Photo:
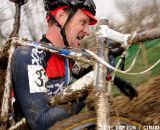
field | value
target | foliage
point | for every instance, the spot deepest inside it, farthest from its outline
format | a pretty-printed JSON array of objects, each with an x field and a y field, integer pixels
[{"x": 152, "y": 49}]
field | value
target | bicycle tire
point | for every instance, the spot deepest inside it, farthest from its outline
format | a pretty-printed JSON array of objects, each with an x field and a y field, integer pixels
[{"x": 85, "y": 120}]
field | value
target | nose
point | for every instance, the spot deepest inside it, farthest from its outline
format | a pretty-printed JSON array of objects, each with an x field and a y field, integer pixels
[{"x": 87, "y": 30}]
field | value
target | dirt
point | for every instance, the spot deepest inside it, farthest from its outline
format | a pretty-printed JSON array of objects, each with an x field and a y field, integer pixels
[
  {"x": 145, "y": 109},
  {"x": 3, "y": 65}
]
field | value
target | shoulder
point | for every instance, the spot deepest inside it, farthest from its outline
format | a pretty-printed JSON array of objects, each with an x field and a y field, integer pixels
[
  {"x": 31, "y": 55},
  {"x": 22, "y": 50}
]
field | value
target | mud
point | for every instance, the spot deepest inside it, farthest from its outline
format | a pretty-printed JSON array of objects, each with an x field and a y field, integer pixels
[
  {"x": 145, "y": 109},
  {"x": 3, "y": 66}
]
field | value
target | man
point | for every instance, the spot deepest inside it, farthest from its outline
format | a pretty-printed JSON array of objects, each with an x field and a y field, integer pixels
[{"x": 39, "y": 75}]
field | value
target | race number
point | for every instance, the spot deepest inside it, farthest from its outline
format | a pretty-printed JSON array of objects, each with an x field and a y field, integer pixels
[{"x": 37, "y": 78}]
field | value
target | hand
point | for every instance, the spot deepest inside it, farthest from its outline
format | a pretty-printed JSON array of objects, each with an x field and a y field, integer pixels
[{"x": 125, "y": 87}]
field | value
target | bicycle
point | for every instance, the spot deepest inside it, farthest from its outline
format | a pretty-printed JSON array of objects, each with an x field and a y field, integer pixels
[
  {"x": 87, "y": 120},
  {"x": 85, "y": 85}
]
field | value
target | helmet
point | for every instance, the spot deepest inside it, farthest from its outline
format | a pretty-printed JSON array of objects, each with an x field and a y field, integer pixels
[{"x": 87, "y": 6}]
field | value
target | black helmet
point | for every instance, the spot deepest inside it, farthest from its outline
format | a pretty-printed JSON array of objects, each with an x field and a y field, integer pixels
[{"x": 87, "y": 6}]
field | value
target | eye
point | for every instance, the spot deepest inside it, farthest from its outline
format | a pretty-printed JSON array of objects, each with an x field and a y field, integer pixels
[{"x": 84, "y": 22}]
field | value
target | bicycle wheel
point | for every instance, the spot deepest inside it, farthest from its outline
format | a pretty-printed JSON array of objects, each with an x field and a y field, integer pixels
[{"x": 87, "y": 121}]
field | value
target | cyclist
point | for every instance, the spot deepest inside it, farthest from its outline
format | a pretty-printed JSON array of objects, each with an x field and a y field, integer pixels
[{"x": 39, "y": 75}]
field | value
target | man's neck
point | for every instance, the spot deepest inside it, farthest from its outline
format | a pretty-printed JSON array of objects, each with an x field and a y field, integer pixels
[{"x": 54, "y": 36}]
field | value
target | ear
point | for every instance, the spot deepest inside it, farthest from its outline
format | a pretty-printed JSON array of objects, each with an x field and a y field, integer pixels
[{"x": 61, "y": 16}]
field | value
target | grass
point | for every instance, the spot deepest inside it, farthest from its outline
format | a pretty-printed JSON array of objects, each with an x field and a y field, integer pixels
[{"x": 144, "y": 60}]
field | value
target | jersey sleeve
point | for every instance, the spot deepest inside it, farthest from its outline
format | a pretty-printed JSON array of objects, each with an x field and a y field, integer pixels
[{"x": 29, "y": 80}]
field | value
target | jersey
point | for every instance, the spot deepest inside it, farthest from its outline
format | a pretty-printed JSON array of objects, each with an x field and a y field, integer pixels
[{"x": 36, "y": 76}]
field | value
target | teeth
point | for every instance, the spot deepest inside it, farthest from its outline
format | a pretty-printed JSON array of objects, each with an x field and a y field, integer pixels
[{"x": 79, "y": 37}]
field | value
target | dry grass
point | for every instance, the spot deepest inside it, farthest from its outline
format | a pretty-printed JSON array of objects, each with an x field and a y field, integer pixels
[{"x": 146, "y": 108}]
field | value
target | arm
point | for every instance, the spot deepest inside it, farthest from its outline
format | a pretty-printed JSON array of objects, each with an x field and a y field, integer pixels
[{"x": 34, "y": 103}]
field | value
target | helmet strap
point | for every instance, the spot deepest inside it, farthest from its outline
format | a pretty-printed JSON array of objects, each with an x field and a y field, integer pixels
[
  {"x": 62, "y": 30},
  {"x": 72, "y": 12},
  {"x": 63, "y": 33}
]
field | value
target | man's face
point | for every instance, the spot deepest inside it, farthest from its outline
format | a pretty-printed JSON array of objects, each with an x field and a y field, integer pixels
[{"x": 77, "y": 28}]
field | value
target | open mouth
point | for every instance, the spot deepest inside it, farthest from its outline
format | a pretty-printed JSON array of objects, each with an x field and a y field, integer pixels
[
  {"x": 79, "y": 37},
  {"x": 77, "y": 42}
]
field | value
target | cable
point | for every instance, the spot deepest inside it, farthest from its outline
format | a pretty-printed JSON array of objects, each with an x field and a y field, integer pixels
[
  {"x": 102, "y": 61},
  {"x": 134, "y": 60}
]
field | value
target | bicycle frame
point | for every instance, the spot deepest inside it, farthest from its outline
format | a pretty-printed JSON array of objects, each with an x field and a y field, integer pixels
[
  {"x": 87, "y": 82},
  {"x": 102, "y": 103}
]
